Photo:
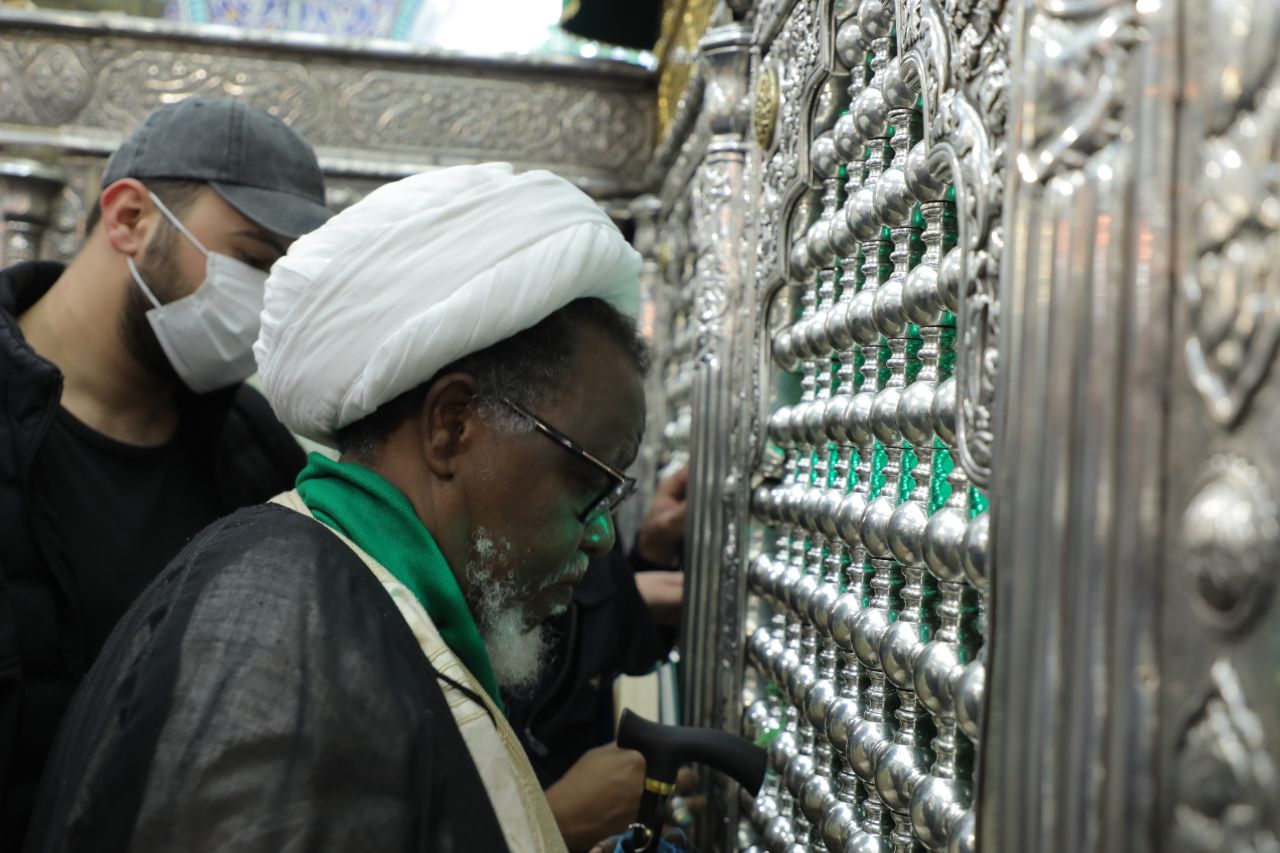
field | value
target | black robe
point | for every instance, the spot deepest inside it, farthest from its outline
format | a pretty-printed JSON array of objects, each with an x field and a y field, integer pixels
[{"x": 264, "y": 694}]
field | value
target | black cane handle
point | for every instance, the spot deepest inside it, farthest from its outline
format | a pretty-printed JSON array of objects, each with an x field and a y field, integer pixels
[{"x": 665, "y": 748}]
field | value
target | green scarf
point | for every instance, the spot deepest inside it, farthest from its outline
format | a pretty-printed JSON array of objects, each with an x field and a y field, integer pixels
[{"x": 377, "y": 516}]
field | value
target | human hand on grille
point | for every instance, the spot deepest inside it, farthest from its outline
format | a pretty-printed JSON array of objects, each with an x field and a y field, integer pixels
[
  {"x": 598, "y": 796},
  {"x": 661, "y": 536}
]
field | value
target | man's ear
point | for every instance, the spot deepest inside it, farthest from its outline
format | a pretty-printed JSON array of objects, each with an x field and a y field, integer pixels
[
  {"x": 128, "y": 215},
  {"x": 448, "y": 421}
]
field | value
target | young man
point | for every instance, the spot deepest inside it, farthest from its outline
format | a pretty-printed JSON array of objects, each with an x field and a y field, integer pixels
[
  {"x": 324, "y": 672},
  {"x": 124, "y": 426}
]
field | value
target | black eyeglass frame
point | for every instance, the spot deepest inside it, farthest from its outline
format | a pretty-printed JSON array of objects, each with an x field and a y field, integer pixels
[{"x": 623, "y": 486}]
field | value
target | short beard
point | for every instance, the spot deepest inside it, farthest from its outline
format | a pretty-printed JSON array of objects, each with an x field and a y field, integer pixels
[
  {"x": 517, "y": 653},
  {"x": 158, "y": 270}
]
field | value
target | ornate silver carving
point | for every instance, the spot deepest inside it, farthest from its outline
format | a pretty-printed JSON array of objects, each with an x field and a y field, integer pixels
[
  {"x": 380, "y": 113},
  {"x": 1231, "y": 543},
  {"x": 1227, "y": 789}
]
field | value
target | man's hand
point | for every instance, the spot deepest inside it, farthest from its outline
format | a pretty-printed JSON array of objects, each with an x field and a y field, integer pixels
[
  {"x": 599, "y": 796},
  {"x": 662, "y": 592},
  {"x": 661, "y": 535}
]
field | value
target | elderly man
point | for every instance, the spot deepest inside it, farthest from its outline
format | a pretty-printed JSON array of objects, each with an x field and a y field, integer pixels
[{"x": 324, "y": 672}]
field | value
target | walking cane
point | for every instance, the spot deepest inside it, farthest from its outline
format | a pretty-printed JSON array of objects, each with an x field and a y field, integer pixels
[{"x": 665, "y": 748}]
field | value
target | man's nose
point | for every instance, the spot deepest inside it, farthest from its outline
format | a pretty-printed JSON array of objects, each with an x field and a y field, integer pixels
[{"x": 598, "y": 534}]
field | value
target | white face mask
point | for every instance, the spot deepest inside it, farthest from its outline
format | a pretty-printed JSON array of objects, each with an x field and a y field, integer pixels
[{"x": 208, "y": 336}]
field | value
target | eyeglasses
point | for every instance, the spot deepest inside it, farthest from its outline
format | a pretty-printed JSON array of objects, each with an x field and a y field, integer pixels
[{"x": 622, "y": 485}]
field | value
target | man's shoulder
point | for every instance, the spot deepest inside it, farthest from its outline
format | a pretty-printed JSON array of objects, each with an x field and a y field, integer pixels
[{"x": 267, "y": 533}]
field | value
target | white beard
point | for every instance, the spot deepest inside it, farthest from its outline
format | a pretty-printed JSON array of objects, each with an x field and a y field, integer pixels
[{"x": 500, "y": 607}]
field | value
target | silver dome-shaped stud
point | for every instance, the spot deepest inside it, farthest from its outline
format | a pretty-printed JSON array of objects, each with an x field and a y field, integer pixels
[
  {"x": 784, "y": 351},
  {"x": 921, "y": 181},
  {"x": 889, "y": 313},
  {"x": 943, "y": 543},
  {"x": 858, "y": 417},
  {"x": 764, "y": 810},
  {"x": 843, "y": 614},
  {"x": 758, "y": 646},
  {"x": 833, "y": 419},
  {"x": 884, "y": 415},
  {"x": 943, "y": 411},
  {"x": 793, "y": 503},
  {"x": 866, "y": 842},
  {"x": 950, "y": 287},
  {"x": 779, "y": 833},
  {"x": 800, "y": 594},
  {"x": 898, "y": 770},
  {"x": 860, "y": 214},
  {"x": 780, "y": 751},
  {"x": 823, "y": 601},
  {"x": 867, "y": 740},
  {"x": 801, "y": 263},
  {"x": 898, "y": 83},
  {"x": 964, "y": 835},
  {"x": 762, "y": 503},
  {"x": 898, "y": 649},
  {"x": 851, "y": 50},
  {"x": 875, "y": 19},
  {"x": 936, "y": 805},
  {"x": 824, "y": 157},
  {"x": 969, "y": 691},
  {"x": 906, "y": 532},
  {"x": 815, "y": 795},
  {"x": 977, "y": 544},
  {"x": 875, "y": 526},
  {"x": 920, "y": 298},
  {"x": 838, "y": 823},
  {"x": 756, "y": 719},
  {"x": 809, "y": 509},
  {"x": 779, "y": 426},
  {"x": 820, "y": 248},
  {"x": 843, "y": 241},
  {"x": 893, "y": 202},
  {"x": 815, "y": 433},
  {"x": 799, "y": 768},
  {"x": 758, "y": 575},
  {"x": 870, "y": 113},
  {"x": 862, "y": 321},
  {"x": 869, "y": 627},
  {"x": 817, "y": 702},
  {"x": 915, "y": 413},
  {"x": 842, "y": 715},
  {"x": 828, "y": 508},
  {"x": 836, "y": 326},
  {"x": 934, "y": 673},
  {"x": 845, "y": 136},
  {"x": 849, "y": 517}
]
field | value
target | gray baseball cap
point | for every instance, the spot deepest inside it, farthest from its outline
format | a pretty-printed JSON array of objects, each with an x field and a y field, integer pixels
[{"x": 253, "y": 160}]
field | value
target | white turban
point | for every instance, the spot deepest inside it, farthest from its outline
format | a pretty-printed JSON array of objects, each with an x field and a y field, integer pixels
[{"x": 420, "y": 273}]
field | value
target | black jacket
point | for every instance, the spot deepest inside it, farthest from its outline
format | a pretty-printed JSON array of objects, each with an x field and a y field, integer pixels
[
  {"x": 42, "y": 657},
  {"x": 264, "y": 694},
  {"x": 607, "y": 631}
]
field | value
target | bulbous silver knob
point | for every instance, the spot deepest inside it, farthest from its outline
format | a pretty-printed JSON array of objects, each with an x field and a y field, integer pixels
[
  {"x": 780, "y": 751},
  {"x": 977, "y": 544},
  {"x": 799, "y": 768},
  {"x": 884, "y": 415},
  {"x": 846, "y": 610},
  {"x": 867, "y": 740},
  {"x": 862, "y": 321},
  {"x": 762, "y": 501},
  {"x": 828, "y": 508},
  {"x": 820, "y": 248},
  {"x": 943, "y": 543},
  {"x": 815, "y": 433},
  {"x": 842, "y": 716},
  {"x": 798, "y": 680},
  {"x": 860, "y": 214},
  {"x": 875, "y": 526},
  {"x": 898, "y": 769},
  {"x": 843, "y": 240},
  {"x": 814, "y": 796},
  {"x": 838, "y": 823},
  {"x": 801, "y": 592},
  {"x": 845, "y": 135},
  {"x": 936, "y": 805},
  {"x": 964, "y": 835},
  {"x": 810, "y": 507},
  {"x": 823, "y": 601},
  {"x": 875, "y": 19},
  {"x": 837, "y": 324},
  {"x": 906, "y": 532},
  {"x": 923, "y": 183},
  {"x": 851, "y": 50},
  {"x": 858, "y": 417},
  {"x": 866, "y": 842},
  {"x": 764, "y": 810},
  {"x": 849, "y": 517},
  {"x": 899, "y": 84},
  {"x": 779, "y": 425},
  {"x": 801, "y": 263},
  {"x": 824, "y": 157},
  {"x": 868, "y": 630},
  {"x": 784, "y": 351},
  {"x": 920, "y": 298},
  {"x": 943, "y": 411},
  {"x": 833, "y": 419},
  {"x": 968, "y": 693},
  {"x": 757, "y": 717},
  {"x": 892, "y": 200},
  {"x": 817, "y": 702},
  {"x": 870, "y": 114},
  {"x": 935, "y": 672},
  {"x": 915, "y": 413},
  {"x": 888, "y": 311},
  {"x": 779, "y": 834},
  {"x": 898, "y": 649},
  {"x": 950, "y": 287},
  {"x": 758, "y": 646}
]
